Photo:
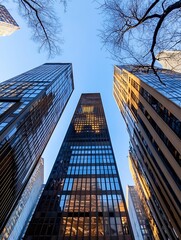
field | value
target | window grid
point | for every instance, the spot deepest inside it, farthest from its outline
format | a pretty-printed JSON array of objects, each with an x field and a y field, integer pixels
[
  {"x": 28, "y": 125},
  {"x": 84, "y": 183}
]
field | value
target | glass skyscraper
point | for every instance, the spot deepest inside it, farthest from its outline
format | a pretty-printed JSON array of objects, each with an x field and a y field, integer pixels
[
  {"x": 17, "y": 222},
  {"x": 30, "y": 107},
  {"x": 83, "y": 198},
  {"x": 152, "y": 112},
  {"x": 139, "y": 220}
]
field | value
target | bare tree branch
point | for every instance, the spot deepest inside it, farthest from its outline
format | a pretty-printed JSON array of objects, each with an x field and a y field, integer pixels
[
  {"x": 38, "y": 17},
  {"x": 169, "y": 9},
  {"x": 136, "y": 29},
  {"x": 41, "y": 18}
]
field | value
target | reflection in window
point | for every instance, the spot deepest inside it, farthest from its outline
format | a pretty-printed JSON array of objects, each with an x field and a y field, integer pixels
[
  {"x": 4, "y": 106},
  {"x": 89, "y": 202}
]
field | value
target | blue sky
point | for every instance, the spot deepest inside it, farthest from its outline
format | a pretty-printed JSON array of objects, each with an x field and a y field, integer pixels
[{"x": 92, "y": 69}]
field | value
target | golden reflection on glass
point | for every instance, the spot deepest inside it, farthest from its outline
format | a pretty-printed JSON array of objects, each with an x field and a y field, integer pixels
[
  {"x": 81, "y": 226},
  {"x": 89, "y": 119},
  {"x": 68, "y": 226},
  {"x": 87, "y": 109},
  {"x": 136, "y": 177},
  {"x": 83, "y": 203},
  {"x": 125, "y": 225},
  {"x": 93, "y": 227},
  {"x": 121, "y": 206},
  {"x": 86, "y": 226},
  {"x": 143, "y": 190}
]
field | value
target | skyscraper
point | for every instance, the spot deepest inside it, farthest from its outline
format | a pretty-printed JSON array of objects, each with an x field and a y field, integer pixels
[
  {"x": 138, "y": 218},
  {"x": 83, "y": 198},
  {"x": 143, "y": 191},
  {"x": 30, "y": 107},
  {"x": 152, "y": 114},
  {"x": 17, "y": 222},
  {"x": 7, "y": 24}
]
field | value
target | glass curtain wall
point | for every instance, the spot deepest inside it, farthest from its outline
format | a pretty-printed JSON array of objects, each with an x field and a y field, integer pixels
[
  {"x": 30, "y": 107},
  {"x": 83, "y": 198}
]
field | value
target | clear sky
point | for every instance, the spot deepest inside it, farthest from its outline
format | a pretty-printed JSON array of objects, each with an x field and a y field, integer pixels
[{"x": 92, "y": 69}]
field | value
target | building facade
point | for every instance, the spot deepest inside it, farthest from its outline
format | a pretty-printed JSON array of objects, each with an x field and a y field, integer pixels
[
  {"x": 83, "y": 198},
  {"x": 30, "y": 107},
  {"x": 152, "y": 114},
  {"x": 17, "y": 222},
  {"x": 170, "y": 60},
  {"x": 139, "y": 221},
  {"x": 7, "y": 23}
]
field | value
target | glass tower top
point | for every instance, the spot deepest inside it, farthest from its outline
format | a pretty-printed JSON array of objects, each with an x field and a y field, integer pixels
[
  {"x": 172, "y": 80},
  {"x": 83, "y": 198}
]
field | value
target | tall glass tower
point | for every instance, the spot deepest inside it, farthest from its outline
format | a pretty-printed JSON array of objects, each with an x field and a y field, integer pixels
[
  {"x": 30, "y": 107},
  {"x": 83, "y": 198},
  {"x": 152, "y": 112}
]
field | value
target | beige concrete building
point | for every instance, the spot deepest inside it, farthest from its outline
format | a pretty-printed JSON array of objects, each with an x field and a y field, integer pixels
[
  {"x": 7, "y": 24},
  {"x": 170, "y": 60},
  {"x": 152, "y": 112}
]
